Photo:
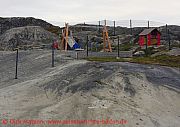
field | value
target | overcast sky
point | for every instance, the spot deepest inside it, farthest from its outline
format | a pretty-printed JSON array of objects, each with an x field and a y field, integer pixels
[{"x": 165, "y": 11}]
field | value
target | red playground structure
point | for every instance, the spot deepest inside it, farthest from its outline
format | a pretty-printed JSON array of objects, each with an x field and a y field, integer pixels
[{"x": 150, "y": 37}]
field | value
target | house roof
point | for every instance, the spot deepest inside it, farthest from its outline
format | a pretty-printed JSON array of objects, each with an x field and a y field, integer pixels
[{"x": 147, "y": 31}]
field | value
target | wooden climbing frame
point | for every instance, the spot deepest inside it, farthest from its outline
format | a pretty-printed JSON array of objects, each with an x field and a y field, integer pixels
[
  {"x": 106, "y": 40},
  {"x": 65, "y": 34}
]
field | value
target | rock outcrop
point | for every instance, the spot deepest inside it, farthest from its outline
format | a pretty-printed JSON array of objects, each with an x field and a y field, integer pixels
[
  {"x": 26, "y": 36},
  {"x": 9, "y": 23}
]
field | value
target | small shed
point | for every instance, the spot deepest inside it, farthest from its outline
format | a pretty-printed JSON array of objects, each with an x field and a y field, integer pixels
[{"x": 150, "y": 36}]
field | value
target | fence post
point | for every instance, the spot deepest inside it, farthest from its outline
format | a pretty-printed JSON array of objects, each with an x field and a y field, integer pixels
[
  {"x": 166, "y": 32},
  {"x": 87, "y": 46},
  {"x": 118, "y": 46},
  {"x": 169, "y": 39},
  {"x": 77, "y": 55},
  {"x": 148, "y": 24},
  {"x": 131, "y": 27},
  {"x": 99, "y": 27},
  {"x": 114, "y": 28},
  {"x": 17, "y": 57}
]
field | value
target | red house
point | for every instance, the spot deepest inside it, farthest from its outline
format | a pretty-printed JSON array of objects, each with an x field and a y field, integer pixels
[{"x": 150, "y": 37}]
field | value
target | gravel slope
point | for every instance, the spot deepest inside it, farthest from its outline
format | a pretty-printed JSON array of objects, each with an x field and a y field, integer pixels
[{"x": 145, "y": 96}]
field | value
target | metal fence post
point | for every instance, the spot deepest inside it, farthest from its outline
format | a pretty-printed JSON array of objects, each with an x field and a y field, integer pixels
[
  {"x": 77, "y": 57},
  {"x": 17, "y": 56},
  {"x": 169, "y": 39},
  {"x": 148, "y": 24},
  {"x": 118, "y": 46},
  {"x": 87, "y": 46},
  {"x": 114, "y": 28},
  {"x": 99, "y": 27},
  {"x": 131, "y": 26}
]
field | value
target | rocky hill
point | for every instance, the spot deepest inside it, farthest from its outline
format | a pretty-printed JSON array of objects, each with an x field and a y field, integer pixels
[
  {"x": 26, "y": 36},
  {"x": 26, "y": 31},
  {"x": 14, "y": 22}
]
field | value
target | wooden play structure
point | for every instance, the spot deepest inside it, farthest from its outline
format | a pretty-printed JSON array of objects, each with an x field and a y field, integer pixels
[
  {"x": 64, "y": 41},
  {"x": 106, "y": 41},
  {"x": 68, "y": 42}
]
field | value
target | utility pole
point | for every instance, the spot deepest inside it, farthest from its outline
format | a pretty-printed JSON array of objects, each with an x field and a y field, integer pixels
[{"x": 17, "y": 56}]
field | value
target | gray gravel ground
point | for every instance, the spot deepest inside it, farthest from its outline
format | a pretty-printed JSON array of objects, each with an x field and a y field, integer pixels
[{"x": 145, "y": 95}]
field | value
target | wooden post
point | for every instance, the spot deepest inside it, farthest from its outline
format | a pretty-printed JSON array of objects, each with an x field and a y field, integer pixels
[{"x": 67, "y": 32}]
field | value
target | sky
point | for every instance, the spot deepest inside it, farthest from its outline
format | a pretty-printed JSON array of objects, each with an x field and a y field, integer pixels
[{"x": 79, "y": 11}]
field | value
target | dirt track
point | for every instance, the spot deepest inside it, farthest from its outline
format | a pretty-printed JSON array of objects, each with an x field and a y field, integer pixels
[{"x": 145, "y": 96}]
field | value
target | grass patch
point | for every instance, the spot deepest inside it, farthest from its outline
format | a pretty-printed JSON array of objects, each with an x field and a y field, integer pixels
[
  {"x": 105, "y": 59},
  {"x": 164, "y": 60}
]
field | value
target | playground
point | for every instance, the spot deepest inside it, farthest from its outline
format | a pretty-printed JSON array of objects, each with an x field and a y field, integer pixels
[
  {"x": 74, "y": 80},
  {"x": 72, "y": 46}
]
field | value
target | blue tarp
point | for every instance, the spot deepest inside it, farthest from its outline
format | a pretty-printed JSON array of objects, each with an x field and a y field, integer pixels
[{"x": 76, "y": 45}]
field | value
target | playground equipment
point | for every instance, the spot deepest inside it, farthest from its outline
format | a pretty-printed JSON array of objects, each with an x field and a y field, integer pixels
[
  {"x": 68, "y": 41},
  {"x": 149, "y": 37},
  {"x": 106, "y": 40}
]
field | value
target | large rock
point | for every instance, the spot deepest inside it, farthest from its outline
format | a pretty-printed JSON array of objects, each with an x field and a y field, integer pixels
[
  {"x": 139, "y": 53},
  {"x": 29, "y": 35},
  {"x": 174, "y": 52}
]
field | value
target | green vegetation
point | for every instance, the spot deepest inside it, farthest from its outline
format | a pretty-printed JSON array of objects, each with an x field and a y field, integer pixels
[
  {"x": 165, "y": 60},
  {"x": 171, "y": 61},
  {"x": 106, "y": 59}
]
